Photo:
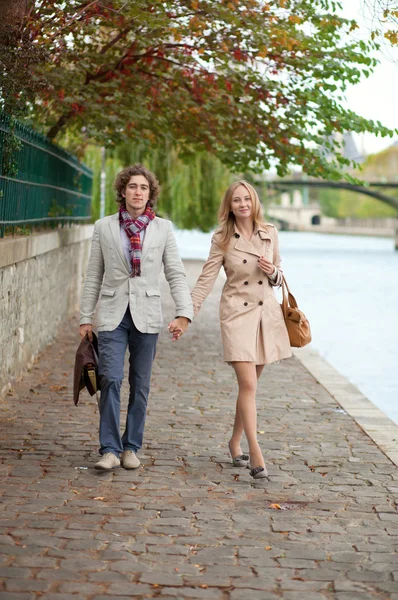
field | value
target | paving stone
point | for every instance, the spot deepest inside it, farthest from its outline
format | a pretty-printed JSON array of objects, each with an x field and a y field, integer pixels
[
  {"x": 83, "y": 563},
  {"x": 83, "y": 588},
  {"x": 109, "y": 576},
  {"x": 129, "y": 589},
  {"x": 112, "y": 596},
  {"x": 21, "y": 585},
  {"x": 16, "y": 596},
  {"x": 15, "y": 573},
  {"x": 187, "y": 592},
  {"x": 54, "y": 596},
  {"x": 367, "y": 576},
  {"x": 354, "y": 596},
  {"x": 308, "y": 596},
  {"x": 58, "y": 575}
]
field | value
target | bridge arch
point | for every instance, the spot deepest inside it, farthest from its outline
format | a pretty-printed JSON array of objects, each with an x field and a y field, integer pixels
[{"x": 281, "y": 183}]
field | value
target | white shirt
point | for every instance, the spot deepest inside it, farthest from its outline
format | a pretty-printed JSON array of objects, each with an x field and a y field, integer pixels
[{"x": 126, "y": 243}]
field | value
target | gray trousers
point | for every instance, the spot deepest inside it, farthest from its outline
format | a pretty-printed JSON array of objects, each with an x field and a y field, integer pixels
[{"x": 112, "y": 346}]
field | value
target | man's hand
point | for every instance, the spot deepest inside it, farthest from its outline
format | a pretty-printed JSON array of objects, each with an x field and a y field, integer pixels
[
  {"x": 86, "y": 329},
  {"x": 178, "y": 327},
  {"x": 266, "y": 266}
]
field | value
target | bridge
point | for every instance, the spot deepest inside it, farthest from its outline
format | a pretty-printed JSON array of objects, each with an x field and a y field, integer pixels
[
  {"x": 281, "y": 184},
  {"x": 298, "y": 211}
]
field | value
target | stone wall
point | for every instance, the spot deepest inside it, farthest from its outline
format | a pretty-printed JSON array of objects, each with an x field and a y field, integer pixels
[{"x": 41, "y": 279}]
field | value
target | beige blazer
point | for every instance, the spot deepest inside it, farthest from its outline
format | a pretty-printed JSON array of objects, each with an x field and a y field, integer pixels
[
  {"x": 108, "y": 278},
  {"x": 252, "y": 324}
]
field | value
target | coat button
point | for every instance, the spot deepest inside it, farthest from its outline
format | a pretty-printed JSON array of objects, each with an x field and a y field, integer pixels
[
  {"x": 261, "y": 303},
  {"x": 244, "y": 261},
  {"x": 246, "y": 283},
  {"x": 237, "y": 235},
  {"x": 245, "y": 304},
  {"x": 260, "y": 282}
]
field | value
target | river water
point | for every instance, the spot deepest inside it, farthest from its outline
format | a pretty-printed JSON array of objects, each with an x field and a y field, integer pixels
[{"x": 348, "y": 288}]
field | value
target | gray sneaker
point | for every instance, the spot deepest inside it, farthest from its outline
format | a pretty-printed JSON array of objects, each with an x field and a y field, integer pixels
[
  {"x": 108, "y": 462},
  {"x": 130, "y": 460}
]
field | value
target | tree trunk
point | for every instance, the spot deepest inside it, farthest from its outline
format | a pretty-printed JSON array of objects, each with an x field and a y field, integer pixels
[{"x": 55, "y": 129}]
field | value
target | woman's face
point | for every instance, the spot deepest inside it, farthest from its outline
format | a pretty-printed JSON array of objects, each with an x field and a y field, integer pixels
[{"x": 241, "y": 203}]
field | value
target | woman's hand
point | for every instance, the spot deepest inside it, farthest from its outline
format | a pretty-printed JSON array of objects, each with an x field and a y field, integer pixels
[
  {"x": 266, "y": 266},
  {"x": 178, "y": 327}
]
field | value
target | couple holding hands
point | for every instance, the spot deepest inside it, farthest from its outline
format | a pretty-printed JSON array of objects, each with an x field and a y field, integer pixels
[{"x": 128, "y": 251}]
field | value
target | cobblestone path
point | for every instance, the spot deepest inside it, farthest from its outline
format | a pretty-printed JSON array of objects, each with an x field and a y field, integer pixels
[{"x": 187, "y": 525}]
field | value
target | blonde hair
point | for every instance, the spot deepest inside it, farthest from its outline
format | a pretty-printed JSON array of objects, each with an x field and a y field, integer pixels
[{"x": 226, "y": 218}]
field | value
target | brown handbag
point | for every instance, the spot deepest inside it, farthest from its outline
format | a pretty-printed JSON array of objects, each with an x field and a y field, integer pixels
[{"x": 297, "y": 325}]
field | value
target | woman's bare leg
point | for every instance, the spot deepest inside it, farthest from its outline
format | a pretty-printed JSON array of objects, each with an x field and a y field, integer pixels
[
  {"x": 237, "y": 431},
  {"x": 246, "y": 374},
  {"x": 259, "y": 370}
]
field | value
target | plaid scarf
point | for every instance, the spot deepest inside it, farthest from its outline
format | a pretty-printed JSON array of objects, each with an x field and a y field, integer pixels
[{"x": 133, "y": 227}]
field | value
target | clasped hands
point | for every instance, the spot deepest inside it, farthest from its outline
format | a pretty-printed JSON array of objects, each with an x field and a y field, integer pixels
[{"x": 178, "y": 327}]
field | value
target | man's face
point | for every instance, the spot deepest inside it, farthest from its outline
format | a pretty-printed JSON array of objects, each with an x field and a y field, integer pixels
[{"x": 137, "y": 193}]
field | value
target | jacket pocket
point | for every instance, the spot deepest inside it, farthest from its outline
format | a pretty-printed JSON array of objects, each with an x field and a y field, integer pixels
[
  {"x": 154, "y": 308},
  {"x": 107, "y": 292}
]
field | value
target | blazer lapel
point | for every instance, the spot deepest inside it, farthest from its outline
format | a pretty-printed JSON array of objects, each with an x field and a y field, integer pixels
[{"x": 115, "y": 230}]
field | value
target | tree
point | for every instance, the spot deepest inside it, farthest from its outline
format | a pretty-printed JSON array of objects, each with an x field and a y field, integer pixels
[
  {"x": 18, "y": 56},
  {"x": 256, "y": 83},
  {"x": 383, "y": 16},
  {"x": 191, "y": 189}
]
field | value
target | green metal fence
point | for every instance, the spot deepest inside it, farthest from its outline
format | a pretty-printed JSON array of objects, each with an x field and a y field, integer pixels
[{"x": 40, "y": 183}]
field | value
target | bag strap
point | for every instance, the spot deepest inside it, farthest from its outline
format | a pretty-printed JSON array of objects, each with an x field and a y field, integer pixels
[{"x": 287, "y": 297}]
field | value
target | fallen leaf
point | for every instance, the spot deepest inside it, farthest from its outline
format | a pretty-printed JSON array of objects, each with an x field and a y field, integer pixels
[
  {"x": 275, "y": 506},
  {"x": 76, "y": 492},
  {"x": 176, "y": 569},
  {"x": 58, "y": 388},
  {"x": 268, "y": 547},
  {"x": 100, "y": 498},
  {"x": 204, "y": 586}
]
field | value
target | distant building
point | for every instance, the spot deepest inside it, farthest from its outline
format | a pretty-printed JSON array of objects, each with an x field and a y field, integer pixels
[{"x": 349, "y": 150}]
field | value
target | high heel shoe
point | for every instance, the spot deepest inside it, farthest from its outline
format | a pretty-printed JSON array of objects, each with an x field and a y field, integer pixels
[
  {"x": 239, "y": 461},
  {"x": 259, "y": 473}
]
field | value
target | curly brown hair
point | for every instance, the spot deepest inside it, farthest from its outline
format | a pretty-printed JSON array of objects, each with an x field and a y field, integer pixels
[{"x": 124, "y": 176}]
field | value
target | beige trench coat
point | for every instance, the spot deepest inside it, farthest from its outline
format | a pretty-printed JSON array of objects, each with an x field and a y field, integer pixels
[{"x": 252, "y": 324}]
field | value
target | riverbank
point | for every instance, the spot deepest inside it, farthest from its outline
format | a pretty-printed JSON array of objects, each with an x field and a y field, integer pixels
[
  {"x": 357, "y": 231},
  {"x": 187, "y": 525}
]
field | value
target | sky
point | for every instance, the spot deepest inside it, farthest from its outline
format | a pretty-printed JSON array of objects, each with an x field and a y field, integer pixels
[{"x": 376, "y": 97}]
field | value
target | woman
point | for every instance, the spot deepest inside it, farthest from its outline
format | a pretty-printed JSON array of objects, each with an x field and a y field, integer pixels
[{"x": 252, "y": 326}]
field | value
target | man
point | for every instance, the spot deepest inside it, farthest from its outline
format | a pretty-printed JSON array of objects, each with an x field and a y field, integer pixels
[{"x": 128, "y": 251}]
